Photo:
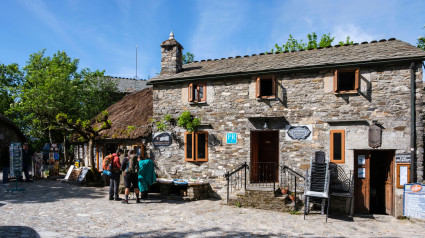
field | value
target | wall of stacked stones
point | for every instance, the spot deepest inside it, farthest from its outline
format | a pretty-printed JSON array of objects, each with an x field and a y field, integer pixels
[
  {"x": 303, "y": 99},
  {"x": 8, "y": 134}
]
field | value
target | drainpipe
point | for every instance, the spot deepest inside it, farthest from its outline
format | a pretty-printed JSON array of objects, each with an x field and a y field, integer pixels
[{"x": 412, "y": 121}]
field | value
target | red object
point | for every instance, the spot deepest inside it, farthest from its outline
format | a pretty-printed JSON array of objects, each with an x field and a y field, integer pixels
[{"x": 416, "y": 188}]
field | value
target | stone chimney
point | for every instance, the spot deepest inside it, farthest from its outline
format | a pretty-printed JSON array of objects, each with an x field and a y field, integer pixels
[{"x": 171, "y": 56}]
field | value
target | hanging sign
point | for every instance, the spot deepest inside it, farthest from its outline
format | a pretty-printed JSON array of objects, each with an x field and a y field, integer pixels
[
  {"x": 162, "y": 139},
  {"x": 231, "y": 138},
  {"x": 375, "y": 136}
]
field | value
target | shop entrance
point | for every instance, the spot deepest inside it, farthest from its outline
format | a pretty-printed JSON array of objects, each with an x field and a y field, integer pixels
[
  {"x": 374, "y": 181},
  {"x": 264, "y": 156}
]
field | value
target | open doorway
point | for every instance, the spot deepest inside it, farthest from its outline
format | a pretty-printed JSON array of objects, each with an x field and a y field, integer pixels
[{"x": 374, "y": 182}]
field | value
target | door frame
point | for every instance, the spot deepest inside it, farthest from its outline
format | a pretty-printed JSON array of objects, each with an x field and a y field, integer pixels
[
  {"x": 254, "y": 154},
  {"x": 364, "y": 187}
]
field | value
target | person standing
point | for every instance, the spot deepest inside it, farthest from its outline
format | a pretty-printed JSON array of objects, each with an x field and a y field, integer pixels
[
  {"x": 5, "y": 163},
  {"x": 26, "y": 161},
  {"x": 114, "y": 181},
  {"x": 130, "y": 167}
]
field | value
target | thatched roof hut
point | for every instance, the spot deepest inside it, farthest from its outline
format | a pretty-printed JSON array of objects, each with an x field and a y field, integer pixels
[{"x": 134, "y": 110}]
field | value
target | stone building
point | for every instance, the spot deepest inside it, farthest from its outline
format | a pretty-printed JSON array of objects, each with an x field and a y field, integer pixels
[{"x": 353, "y": 102}]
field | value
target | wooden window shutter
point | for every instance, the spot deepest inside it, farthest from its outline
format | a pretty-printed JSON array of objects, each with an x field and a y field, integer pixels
[
  {"x": 191, "y": 96},
  {"x": 341, "y": 160},
  {"x": 201, "y": 146},
  {"x": 257, "y": 88},
  {"x": 274, "y": 86},
  {"x": 357, "y": 80},
  {"x": 336, "y": 80},
  {"x": 189, "y": 152}
]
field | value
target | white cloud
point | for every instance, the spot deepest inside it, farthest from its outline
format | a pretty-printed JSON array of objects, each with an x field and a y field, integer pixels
[{"x": 356, "y": 34}]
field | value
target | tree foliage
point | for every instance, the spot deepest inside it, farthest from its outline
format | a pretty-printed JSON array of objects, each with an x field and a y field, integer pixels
[
  {"x": 54, "y": 85},
  {"x": 10, "y": 78},
  {"x": 188, "y": 58},
  {"x": 293, "y": 44},
  {"x": 421, "y": 42}
]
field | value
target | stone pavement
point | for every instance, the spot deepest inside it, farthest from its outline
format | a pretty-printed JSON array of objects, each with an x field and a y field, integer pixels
[{"x": 56, "y": 209}]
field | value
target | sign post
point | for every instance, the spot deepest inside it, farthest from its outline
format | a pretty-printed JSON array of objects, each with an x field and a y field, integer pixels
[{"x": 414, "y": 200}]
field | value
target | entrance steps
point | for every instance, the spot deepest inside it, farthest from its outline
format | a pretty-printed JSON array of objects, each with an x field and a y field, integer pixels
[{"x": 262, "y": 198}]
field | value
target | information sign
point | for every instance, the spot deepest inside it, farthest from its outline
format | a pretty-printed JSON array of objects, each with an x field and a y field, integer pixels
[
  {"x": 231, "y": 138},
  {"x": 402, "y": 158},
  {"x": 83, "y": 174},
  {"x": 414, "y": 200},
  {"x": 162, "y": 139},
  {"x": 15, "y": 151}
]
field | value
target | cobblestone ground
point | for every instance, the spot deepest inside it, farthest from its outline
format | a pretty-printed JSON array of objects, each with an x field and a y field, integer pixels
[{"x": 53, "y": 209}]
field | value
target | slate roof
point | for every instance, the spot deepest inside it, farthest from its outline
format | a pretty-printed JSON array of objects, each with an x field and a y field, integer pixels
[{"x": 337, "y": 56}]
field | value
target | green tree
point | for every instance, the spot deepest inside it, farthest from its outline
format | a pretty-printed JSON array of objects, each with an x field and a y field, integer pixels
[
  {"x": 54, "y": 85},
  {"x": 295, "y": 45},
  {"x": 87, "y": 131},
  {"x": 326, "y": 40},
  {"x": 10, "y": 78},
  {"x": 346, "y": 42},
  {"x": 188, "y": 58},
  {"x": 421, "y": 41}
]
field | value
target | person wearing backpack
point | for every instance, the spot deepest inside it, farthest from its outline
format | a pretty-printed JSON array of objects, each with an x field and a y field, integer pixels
[
  {"x": 115, "y": 168},
  {"x": 130, "y": 167}
]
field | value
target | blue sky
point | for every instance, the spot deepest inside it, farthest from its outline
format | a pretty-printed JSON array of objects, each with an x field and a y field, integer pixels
[{"x": 103, "y": 34}]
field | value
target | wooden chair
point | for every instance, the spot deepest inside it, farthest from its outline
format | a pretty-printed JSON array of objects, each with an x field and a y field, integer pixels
[
  {"x": 342, "y": 185},
  {"x": 317, "y": 184}
]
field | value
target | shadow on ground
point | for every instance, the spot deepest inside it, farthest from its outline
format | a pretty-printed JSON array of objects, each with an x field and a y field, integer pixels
[
  {"x": 212, "y": 232},
  {"x": 18, "y": 231}
]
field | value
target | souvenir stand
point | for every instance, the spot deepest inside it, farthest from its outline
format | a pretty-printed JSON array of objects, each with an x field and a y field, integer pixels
[{"x": 15, "y": 151}]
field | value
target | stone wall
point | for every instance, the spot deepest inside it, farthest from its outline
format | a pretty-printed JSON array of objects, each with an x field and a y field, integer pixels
[
  {"x": 303, "y": 99},
  {"x": 8, "y": 134}
]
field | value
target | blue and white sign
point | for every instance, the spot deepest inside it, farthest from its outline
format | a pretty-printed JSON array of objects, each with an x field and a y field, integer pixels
[{"x": 232, "y": 138}]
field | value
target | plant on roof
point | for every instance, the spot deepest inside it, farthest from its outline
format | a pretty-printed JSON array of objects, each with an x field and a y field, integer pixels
[
  {"x": 421, "y": 41},
  {"x": 293, "y": 44},
  {"x": 347, "y": 42}
]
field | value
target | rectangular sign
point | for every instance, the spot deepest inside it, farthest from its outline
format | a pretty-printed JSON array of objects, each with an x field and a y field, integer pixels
[
  {"x": 414, "y": 200},
  {"x": 402, "y": 158},
  {"x": 231, "y": 138}
]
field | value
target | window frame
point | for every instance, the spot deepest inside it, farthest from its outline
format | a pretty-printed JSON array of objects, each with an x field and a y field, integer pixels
[
  {"x": 191, "y": 92},
  {"x": 195, "y": 146},
  {"x": 356, "y": 80},
  {"x": 398, "y": 174},
  {"x": 258, "y": 86},
  {"x": 342, "y": 160}
]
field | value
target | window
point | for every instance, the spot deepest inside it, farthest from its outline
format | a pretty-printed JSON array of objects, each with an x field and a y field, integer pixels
[
  {"x": 346, "y": 81},
  {"x": 265, "y": 87},
  {"x": 338, "y": 146},
  {"x": 197, "y": 92},
  {"x": 403, "y": 175},
  {"x": 196, "y": 146}
]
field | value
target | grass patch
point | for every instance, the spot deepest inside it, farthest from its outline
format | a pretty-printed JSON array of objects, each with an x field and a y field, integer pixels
[{"x": 294, "y": 212}]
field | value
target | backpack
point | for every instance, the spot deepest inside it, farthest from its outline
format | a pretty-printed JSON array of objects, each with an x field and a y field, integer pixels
[
  {"x": 133, "y": 165},
  {"x": 107, "y": 162}
]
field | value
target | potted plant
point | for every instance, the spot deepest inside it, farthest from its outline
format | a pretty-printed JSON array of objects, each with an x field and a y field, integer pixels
[
  {"x": 292, "y": 197},
  {"x": 284, "y": 190}
]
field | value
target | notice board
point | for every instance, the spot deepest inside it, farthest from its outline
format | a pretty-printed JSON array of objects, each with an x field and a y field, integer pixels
[{"x": 414, "y": 200}]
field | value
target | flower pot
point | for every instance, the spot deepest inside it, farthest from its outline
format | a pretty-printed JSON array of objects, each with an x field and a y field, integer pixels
[
  {"x": 292, "y": 197},
  {"x": 284, "y": 190}
]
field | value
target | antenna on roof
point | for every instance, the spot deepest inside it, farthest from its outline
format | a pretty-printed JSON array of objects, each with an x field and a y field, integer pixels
[{"x": 136, "y": 63}]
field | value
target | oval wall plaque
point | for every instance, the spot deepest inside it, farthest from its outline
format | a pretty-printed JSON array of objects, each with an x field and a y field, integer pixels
[
  {"x": 298, "y": 132},
  {"x": 162, "y": 139},
  {"x": 375, "y": 136}
]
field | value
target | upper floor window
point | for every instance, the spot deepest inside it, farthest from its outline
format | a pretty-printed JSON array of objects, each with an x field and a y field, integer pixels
[
  {"x": 265, "y": 87},
  {"x": 338, "y": 146},
  {"x": 196, "y": 146},
  {"x": 346, "y": 80},
  {"x": 197, "y": 92}
]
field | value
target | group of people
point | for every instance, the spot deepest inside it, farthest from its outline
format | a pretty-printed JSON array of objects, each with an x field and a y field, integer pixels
[
  {"x": 138, "y": 174},
  {"x": 26, "y": 163}
]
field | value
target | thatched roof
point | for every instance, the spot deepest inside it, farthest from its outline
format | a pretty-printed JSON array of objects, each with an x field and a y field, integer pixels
[
  {"x": 133, "y": 110},
  {"x": 6, "y": 121}
]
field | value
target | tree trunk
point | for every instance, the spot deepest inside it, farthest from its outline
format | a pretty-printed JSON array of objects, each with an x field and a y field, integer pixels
[
  {"x": 91, "y": 159},
  {"x": 50, "y": 137},
  {"x": 65, "y": 155}
]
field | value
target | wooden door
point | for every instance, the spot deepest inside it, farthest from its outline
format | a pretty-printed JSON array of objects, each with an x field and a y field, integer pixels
[
  {"x": 264, "y": 156},
  {"x": 362, "y": 181},
  {"x": 389, "y": 183}
]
